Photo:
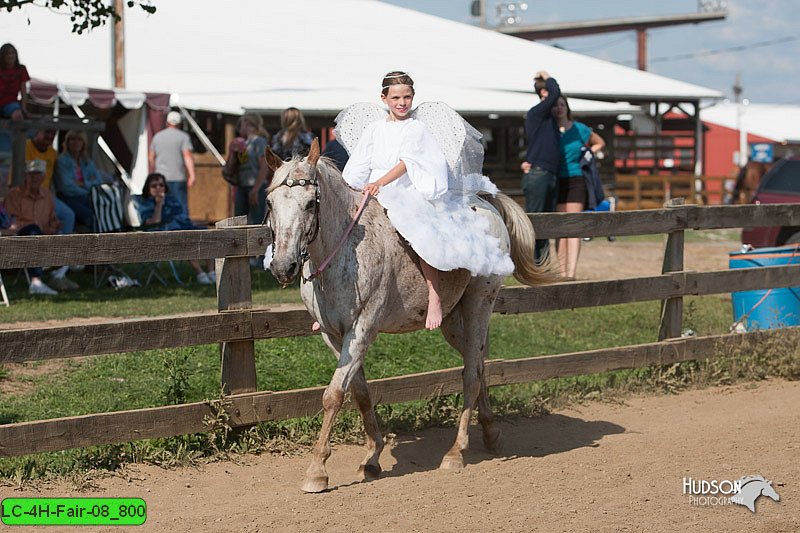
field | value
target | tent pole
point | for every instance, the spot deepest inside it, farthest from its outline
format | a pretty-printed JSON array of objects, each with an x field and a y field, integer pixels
[{"x": 202, "y": 136}]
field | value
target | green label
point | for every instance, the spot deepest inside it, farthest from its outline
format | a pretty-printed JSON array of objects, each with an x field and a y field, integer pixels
[{"x": 73, "y": 511}]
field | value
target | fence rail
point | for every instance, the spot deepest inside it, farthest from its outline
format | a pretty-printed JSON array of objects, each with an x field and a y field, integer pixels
[{"x": 236, "y": 325}]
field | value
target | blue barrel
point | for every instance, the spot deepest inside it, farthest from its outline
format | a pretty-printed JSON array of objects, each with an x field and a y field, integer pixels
[{"x": 781, "y": 307}]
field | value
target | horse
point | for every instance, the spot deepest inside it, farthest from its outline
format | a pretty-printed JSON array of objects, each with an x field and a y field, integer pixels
[
  {"x": 748, "y": 180},
  {"x": 375, "y": 284},
  {"x": 752, "y": 488}
]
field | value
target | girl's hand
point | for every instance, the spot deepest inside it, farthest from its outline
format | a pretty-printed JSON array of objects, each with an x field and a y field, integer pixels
[
  {"x": 372, "y": 188},
  {"x": 159, "y": 198}
]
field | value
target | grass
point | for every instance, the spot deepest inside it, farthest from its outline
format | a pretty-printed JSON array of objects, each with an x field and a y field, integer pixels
[{"x": 169, "y": 376}]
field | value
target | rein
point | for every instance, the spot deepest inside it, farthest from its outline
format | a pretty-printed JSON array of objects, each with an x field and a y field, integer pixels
[{"x": 340, "y": 243}]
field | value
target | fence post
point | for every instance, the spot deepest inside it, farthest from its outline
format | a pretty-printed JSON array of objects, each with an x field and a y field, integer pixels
[
  {"x": 672, "y": 308},
  {"x": 234, "y": 291}
]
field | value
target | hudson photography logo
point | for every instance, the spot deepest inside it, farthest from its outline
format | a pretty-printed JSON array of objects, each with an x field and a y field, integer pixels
[{"x": 744, "y": 491}]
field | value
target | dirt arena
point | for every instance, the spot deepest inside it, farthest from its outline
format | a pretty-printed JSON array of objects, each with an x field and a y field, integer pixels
[{"x": 593, "y": 467}]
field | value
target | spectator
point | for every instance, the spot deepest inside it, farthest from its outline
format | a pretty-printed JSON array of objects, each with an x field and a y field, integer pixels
[
  {"x": 33, "y": 210},
  {"x": 247, "y": 169},
  {"x": 171, "y": 155},
  {"x": 539, "y": 182},
  {"x": 293, "y": 138},
  {"x": 572, "y": 190},
  {"x": 13, "y": 78},
  {"x": 41, "y": 147},
  {"x": 75, "y": 174},
  {"x": 163, "y": 212},
  {"x": 336, "y": 152}
]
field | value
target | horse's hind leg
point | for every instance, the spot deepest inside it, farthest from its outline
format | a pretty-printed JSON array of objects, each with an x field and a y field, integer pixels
[
  {"x": 466, "y": 329},
  {"x": 370, "y": 467}
]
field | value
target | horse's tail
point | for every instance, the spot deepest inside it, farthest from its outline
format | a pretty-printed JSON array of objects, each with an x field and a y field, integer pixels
[{"x": 523, "y": 243}]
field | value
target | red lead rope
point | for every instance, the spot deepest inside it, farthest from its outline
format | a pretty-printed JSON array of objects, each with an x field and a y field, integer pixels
[{"x": 343, "y": 238}]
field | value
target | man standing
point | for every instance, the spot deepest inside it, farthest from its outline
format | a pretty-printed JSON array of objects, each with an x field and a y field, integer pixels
[
  {"x": 171, "y": 155},
  {"x": 41, "y": 147},
  {"x": 33, "y": 210},
  {"x": 540, "y": 181}
]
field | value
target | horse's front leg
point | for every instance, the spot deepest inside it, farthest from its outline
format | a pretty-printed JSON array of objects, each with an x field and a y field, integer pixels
[{"x": 351, "y": 358}]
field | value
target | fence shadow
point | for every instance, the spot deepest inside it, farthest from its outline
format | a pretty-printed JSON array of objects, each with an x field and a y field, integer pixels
[{"x": 528, "y": 437}]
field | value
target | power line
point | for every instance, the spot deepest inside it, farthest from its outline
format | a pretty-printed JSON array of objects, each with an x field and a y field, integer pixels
[{"x": 703, "y": 53}]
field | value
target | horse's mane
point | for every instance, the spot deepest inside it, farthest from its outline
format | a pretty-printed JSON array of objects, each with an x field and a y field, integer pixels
[{"x": 749, "y": 479}]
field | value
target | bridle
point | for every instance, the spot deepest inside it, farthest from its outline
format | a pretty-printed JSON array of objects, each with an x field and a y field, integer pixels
[{"x": 313, "y": 232}]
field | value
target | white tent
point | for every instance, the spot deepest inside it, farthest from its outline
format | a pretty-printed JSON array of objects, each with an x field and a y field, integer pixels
[
  {"x": 320, "y": 55},
  {"x": 780, "y": 122}
]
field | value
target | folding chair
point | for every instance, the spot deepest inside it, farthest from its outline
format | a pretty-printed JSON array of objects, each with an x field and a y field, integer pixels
[
  {"x": 132, "y": 212},
  {"x": 108, "y": 218},
  {"x": 3, "y": 291}
]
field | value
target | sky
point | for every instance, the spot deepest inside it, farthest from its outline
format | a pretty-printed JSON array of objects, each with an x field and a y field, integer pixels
[{"x": 767, "y": 71}]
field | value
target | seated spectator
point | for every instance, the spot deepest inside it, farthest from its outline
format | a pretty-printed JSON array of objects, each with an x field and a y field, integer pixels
[
  {"x": 13, "y": 78},
  {"x": 41, "y": 147},
  {"x": 34, "y": 213},
  {"x": 75, "y": 174},
  {"x": 160, "y": 211},
  {"x": 293, "y": 138}
]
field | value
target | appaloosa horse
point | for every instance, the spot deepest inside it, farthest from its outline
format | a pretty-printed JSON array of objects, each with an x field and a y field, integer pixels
[{"x": 374, "y": 284}]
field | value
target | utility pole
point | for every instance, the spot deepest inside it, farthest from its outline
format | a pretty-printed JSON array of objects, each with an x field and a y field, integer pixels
[
  {"x": 118, "y": 46},
  {"x": 737, "y": 96}
]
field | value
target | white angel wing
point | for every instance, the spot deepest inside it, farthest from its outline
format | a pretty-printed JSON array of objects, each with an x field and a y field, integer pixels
[
  {"x": 351, "y": 121},
  {"x": 461, "y": 144}
]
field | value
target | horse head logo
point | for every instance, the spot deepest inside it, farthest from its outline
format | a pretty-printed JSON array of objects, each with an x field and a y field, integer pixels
[{"x": 752, "y": 488}]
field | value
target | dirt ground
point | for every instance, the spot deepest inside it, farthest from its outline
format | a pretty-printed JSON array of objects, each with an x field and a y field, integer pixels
[{"x": 593, "y": 467}]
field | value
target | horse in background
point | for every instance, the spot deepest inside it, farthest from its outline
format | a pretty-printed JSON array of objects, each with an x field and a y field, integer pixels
[
  {"x": 375, "y": 284},
  {"x": 748, "y": 180}
]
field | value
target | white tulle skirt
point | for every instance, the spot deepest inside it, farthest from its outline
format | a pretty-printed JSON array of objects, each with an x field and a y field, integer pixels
[{"x": 447, "y": 232}]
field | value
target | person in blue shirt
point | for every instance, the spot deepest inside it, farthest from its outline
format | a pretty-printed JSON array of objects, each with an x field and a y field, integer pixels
[
  {"x": 74, "y": 175},
  {"x": 160, "y": 211},
  {"x": 540, "y": 168},
  {"x": 572, "y": 191}
]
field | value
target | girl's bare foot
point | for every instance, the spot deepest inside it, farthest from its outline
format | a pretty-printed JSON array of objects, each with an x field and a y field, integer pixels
[
  {"x": 434, "y": 318},
  {"x": 315, "y": 326}
]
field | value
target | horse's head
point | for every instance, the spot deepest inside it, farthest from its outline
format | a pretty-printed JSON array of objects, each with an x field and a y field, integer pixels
[{"x": 293, "y": 206}]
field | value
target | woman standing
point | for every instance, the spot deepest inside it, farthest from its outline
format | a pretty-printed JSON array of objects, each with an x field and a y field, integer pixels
[
  {"x": 75, "y": 174},
  {"x": 572, "y": 191},
  {"x": 293, "y": 138},
  {"x": 13, "y": 77},
  {"x": 246, "y": 168}
]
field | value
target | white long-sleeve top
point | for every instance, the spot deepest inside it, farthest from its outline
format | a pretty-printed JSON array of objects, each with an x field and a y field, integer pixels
[{"x": 385, "y": 143}]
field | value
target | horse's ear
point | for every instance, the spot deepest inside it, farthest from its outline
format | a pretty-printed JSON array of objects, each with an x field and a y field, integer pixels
[
  {"x": 273, "y": 161},
  {"x": 313, "y": 153}
]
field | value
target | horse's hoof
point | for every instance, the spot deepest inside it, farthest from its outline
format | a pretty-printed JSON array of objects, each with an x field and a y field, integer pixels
[
  {"x": 369, "y": 472},
  {"x": 452, "y": 462},
  {"x": 493, "y": 440},
  {"x": 314, "y": 485}
]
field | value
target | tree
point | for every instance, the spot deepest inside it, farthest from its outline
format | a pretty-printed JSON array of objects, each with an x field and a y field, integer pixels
[{"x": 85, "y": 15}]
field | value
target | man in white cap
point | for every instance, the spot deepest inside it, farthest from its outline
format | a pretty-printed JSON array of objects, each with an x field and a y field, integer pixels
[
  {"x": 34, "y": 213},
  {"x": 171, "y": 155}
]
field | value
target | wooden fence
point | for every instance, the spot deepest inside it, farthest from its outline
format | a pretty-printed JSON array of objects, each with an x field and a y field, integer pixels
[{"x": 236, "y": 324}]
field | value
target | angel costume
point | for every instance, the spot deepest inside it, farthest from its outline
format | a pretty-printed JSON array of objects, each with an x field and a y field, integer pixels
[{"x": 429, "y": 205}]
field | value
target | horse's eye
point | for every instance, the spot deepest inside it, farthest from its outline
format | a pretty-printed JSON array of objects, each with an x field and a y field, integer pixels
[{"x": 310, "y": 205}]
